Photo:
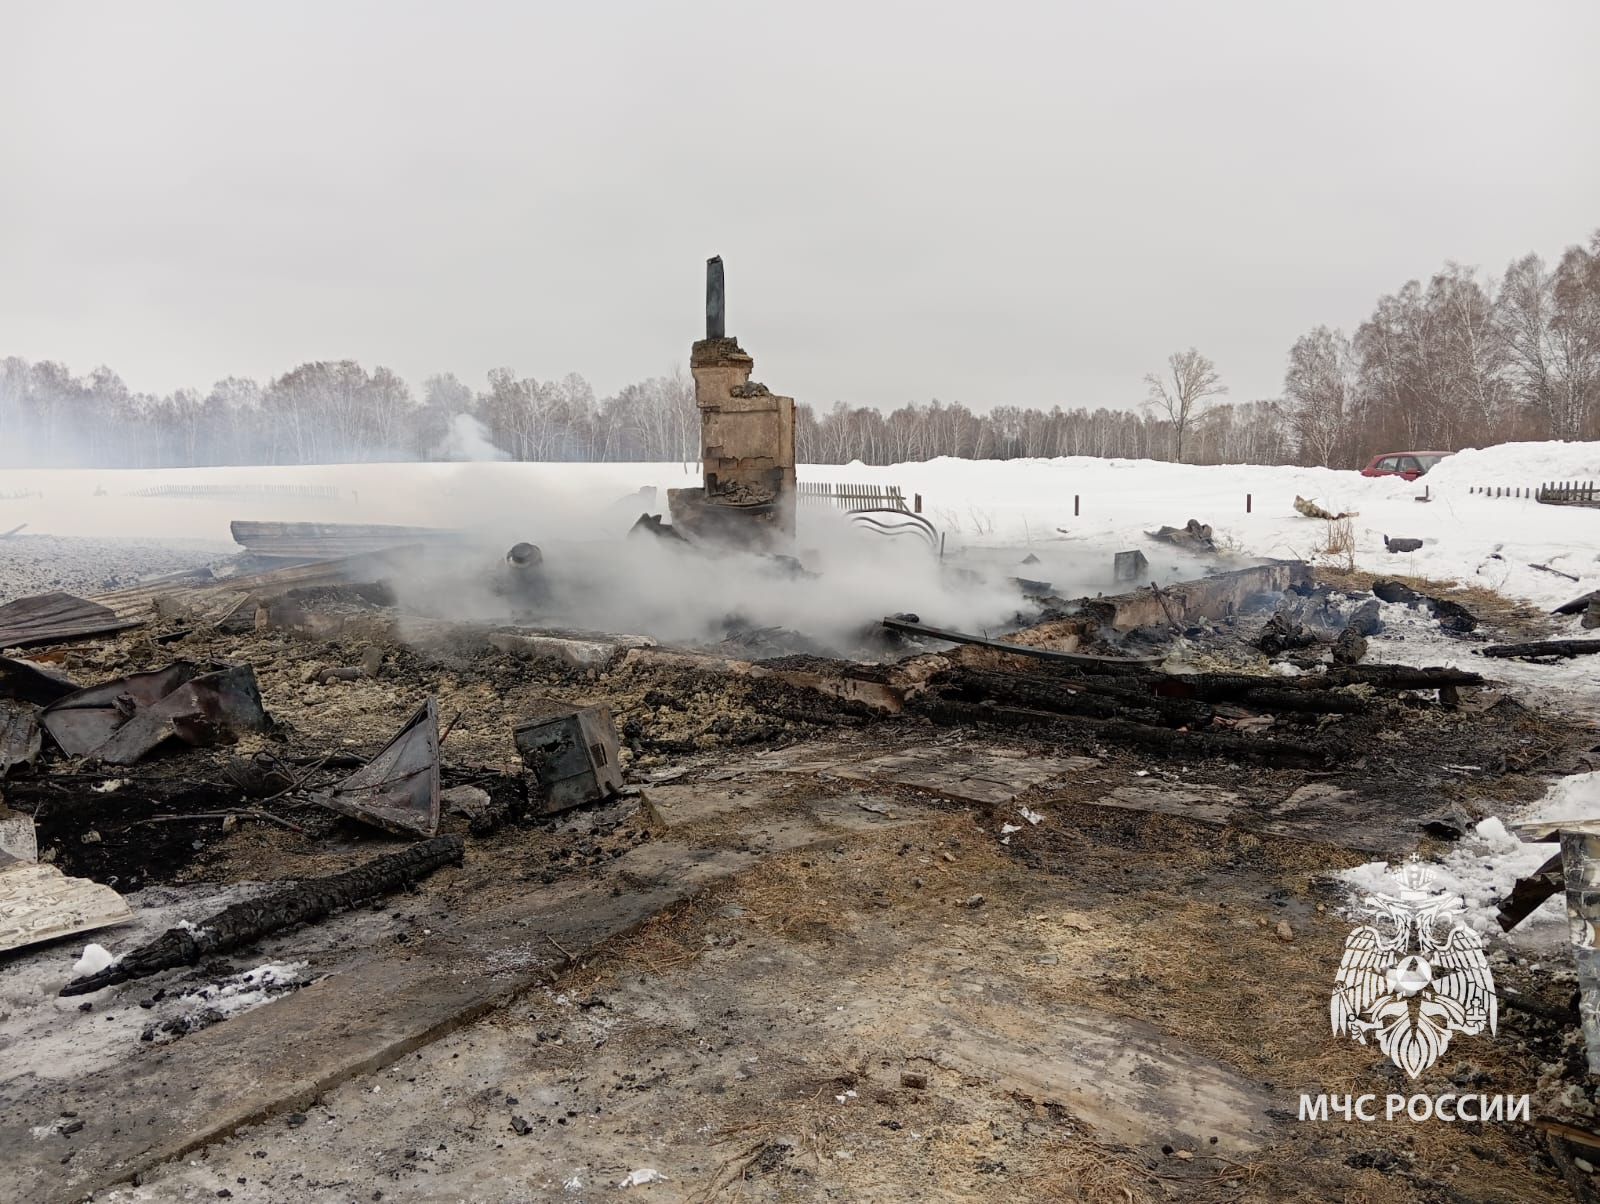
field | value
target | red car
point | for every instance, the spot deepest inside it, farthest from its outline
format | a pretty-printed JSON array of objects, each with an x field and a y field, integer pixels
[{"x": 1410, "y": 465}]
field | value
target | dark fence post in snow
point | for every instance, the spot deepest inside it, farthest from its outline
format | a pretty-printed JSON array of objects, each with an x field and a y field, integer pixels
[
  {"x": 1074, "y": 505},
  {"x": 1247, "y": 503}
]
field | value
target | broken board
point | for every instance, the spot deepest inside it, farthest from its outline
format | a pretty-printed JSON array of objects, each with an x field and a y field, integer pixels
[{"x": 40, "y": 903}]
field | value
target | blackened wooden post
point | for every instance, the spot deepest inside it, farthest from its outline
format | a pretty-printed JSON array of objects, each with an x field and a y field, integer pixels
[
  {"x": 716, "y": 305},
  {"x": 916, "y": 503},
  {"x": 1074, "y": 505},
  {"x": 1247, "y": 503}
]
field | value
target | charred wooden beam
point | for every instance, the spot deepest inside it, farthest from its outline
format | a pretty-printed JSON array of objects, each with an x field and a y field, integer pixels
[
  {"x": 1528, "y": 893},
  {"x": 1049, "y": 654},
  {"x": 1544, "y": 648},
  {"x": 1161, "y": 740},
  {"x": 245, "y": 923}
]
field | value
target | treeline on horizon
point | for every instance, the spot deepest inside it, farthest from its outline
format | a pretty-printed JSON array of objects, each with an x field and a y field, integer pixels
[{"x": 1463, "y": 360}]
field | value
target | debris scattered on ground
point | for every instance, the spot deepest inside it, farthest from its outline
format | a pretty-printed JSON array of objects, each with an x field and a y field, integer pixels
[
  {"x": 572, "y": 756},
  {"x": 1194, "y": 536},
  {"x": 40, "y": 903},
  {"x": 121, "y": 721},
  {"x": 398, "y": 790},
  {"x": 1544, "y": 649},
  {"x": 243, "y": 924},
  {"x": 1452, "y": 616},
  {"x": 641, "y": 1177},
  {"x": 1130, "y": 566},
  {"x": 55, "y": 617},
  {"x": 1400, "y": 545},
  {"x": 1310, "y": 509}
]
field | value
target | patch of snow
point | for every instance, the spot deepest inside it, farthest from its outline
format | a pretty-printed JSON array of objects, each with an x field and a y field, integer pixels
[
  {"x": 1032, "y": 816},
  {"x": 95, "y": 959},
  {"x": 642, "y": 1176},
  {"x": 1485, "y": 865}
]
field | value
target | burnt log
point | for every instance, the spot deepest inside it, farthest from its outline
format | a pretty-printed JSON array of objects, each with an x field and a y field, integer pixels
[
  {"x": 1544, "y": 648},
  {"x": 245, "y": 923},
  {"x": 1396, "y": 677},
  {"x": 1578, "y": 605},
  {"x": 1350, "y": 647},
  {"x": 1094, "y": 700},
  {"x": 1163, "y": 741}
]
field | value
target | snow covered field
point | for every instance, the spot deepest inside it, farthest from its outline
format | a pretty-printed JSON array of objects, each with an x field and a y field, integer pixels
[{"x": 1486, "y": 541}]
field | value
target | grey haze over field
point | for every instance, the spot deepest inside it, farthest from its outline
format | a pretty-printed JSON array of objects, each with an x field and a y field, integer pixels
[{"x": 1027, "y": 203}]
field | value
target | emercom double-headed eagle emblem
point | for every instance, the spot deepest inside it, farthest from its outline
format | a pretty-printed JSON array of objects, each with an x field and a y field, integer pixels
[{"x": 1402, "y": 984}]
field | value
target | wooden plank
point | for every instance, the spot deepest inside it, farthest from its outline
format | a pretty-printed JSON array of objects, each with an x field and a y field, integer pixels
[
  {"x": 56, "y": 617},
  {"x": 40, "y": 903}
]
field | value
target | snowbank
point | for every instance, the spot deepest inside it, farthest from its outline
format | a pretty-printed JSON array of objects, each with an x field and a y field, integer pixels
[
  {"x": 1518, "y": 465},
  {"x": 1475, "y": 540}
]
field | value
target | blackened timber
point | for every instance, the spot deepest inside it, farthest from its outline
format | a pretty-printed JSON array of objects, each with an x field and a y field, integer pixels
[
  {"x": 1162, "y": 740},
  {"x": 1541, "y": 648},
  {"x": 245, "y": 923},
  {"x": 1530, "y": 892},
  {"x": 1046, "y": 654}
]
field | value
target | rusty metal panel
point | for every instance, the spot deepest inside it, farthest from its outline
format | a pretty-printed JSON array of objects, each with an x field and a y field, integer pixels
[
  {"x": 573, "y": 757},
  {"x": 398, "y": 790},
  {"x": 51, "y": 618},
  {"x": 82, "y": 722},
  {"x": 121, "y": 721}
]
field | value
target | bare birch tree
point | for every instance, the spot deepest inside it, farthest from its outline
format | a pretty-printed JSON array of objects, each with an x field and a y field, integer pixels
[{"x": 1183, "y": 391}]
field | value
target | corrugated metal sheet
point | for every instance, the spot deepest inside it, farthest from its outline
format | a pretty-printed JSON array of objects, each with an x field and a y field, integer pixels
[{"x": 52, "y": 618}]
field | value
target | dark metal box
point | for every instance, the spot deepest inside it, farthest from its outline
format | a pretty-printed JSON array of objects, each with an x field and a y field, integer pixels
[{"x": 572, "y": 757}]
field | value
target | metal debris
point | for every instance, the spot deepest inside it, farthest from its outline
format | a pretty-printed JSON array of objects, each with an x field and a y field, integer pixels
[
  {"x": 53, "y": 618},
  {"x": 398, "y": 790},
  {"x": 572, "y": 756},
  {"x": 1130, "y": 566},
  {"x": 326, "y": 541},
  {"x": 39, "y": 902},
  {"x": 121, "y": 721},
  {"x": 24, "y": 681}
]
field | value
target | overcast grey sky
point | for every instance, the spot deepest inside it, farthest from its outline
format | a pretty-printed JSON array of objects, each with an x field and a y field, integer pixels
[{"x": 1015, "y": 203}]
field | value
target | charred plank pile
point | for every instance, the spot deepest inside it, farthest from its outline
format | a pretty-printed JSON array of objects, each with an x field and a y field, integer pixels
[{"x": 1237, "y": 716}]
